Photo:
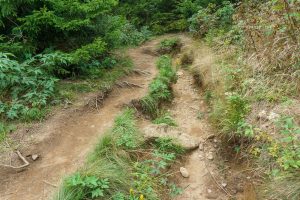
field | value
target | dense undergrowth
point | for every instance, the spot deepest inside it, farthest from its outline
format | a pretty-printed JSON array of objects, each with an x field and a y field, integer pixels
[
  {"x": 44, "y": 42},
  {"x": 254, "y": 86}
]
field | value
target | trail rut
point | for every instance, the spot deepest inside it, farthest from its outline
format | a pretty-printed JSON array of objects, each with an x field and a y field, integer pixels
[{"x": 65, "y": 139}]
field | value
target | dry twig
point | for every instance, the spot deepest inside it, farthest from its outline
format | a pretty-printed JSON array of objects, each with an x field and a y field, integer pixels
[{"x": 26, "y": 163}]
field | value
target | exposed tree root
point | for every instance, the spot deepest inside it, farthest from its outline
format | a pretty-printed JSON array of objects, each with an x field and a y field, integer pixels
[
  {"x": 124, "y": 84},
  {"x": 97, "y": 101},
  {"x": 26, "y": 163},
  {"x": 141, "y": 72}
]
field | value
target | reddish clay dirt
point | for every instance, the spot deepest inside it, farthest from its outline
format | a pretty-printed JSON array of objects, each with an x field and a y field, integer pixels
[{"x": 64, "y": 140}]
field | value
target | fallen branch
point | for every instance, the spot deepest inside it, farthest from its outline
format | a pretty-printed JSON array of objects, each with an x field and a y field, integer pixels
[
  {"x": 51, "y": 184},
  {"x": 26, "y": 163}
]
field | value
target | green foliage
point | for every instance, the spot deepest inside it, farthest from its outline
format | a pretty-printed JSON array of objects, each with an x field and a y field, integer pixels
[
  {"x": 169, "y": 46},
  {"x": 165, "y": 119},
  {"x": 125, "y": 130},
  {"x": 230, "y": 115},
  {"x": 5, "y": 130},
  {"x": 168, "y": 145},
  {"x": 22, "y": 88},
  {"x": 89, "y": 186},
  {"x": 160, "y": 87},
  {"x": 212, "y": 17},
  {"x": 289, "y": 153}
]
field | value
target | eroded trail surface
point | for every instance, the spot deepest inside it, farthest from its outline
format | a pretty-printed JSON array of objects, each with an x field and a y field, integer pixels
[
  {"x": 64, "y": 140},
  {"x": 190, "y": 112}
]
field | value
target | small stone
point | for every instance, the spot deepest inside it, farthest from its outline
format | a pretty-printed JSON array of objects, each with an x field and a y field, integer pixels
[
  {"x": 215, "y": 140},
  {"x": 201, "y": 147},
  {"x": 211, "y": 136},
  {"x": 248, "y": 177},
  {"x": 210, "y": 156},
  {"x": 224, "y": 184},
  {"x": 273, "y": 116},
  {"x": 34, "y": 157},
  {"x": 179, "y": 73},
  {"x": 184, "y": 172},
  {"x": 262, "y": 115},
  {"x": 93, "y": 126},
  {"x": 200, "y": 156}
]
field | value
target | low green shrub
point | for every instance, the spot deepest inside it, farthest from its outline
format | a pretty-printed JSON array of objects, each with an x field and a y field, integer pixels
[
  {"x": 23, "y": 88},
  {"x": 169, "y": 46},
  {"x": 229, "y": 115}
]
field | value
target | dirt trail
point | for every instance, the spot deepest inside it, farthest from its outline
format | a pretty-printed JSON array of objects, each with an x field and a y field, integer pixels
[
  {"x": 190, "y": 112},
  {"x": 64, "y": 140},
  {"x": 186, "y": 110}
]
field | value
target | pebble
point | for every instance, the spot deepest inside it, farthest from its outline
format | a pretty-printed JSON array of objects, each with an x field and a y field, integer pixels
[
  {"x": 184, "y": 172},
  {"x": 34, "y": 157},
  {"x": 224, "y": 184},
  {"x": 179, "y": 73},
  {"x": 262, "y": 115},
  {"x": 210, "y": 156},
  {"x": 200, "y": 156},
  {"x": 273, "y": 116},
  {"x": 201, "y": 147}
]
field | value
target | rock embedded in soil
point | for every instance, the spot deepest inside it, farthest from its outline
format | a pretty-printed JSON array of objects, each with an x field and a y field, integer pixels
[
  {"x": 188, "y": 142},
  {"x": 184, "y": 172},
  {"x": 262, "y": 115},
  {"x": 224, "y": 184},
  {"x": 201, "y": 146},
  {"x": 210, "y": 156},
  {"x": 34, "y": 157}
]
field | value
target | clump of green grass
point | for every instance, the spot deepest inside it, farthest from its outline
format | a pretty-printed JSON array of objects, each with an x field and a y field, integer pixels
[
  {"x": 5, "y": 129},
  {"x": 169, "y": 46},
  {"x": 165, "y": 119},
  {"x": 160, "y": 90},
  {"x": 122, "y": 166}
]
